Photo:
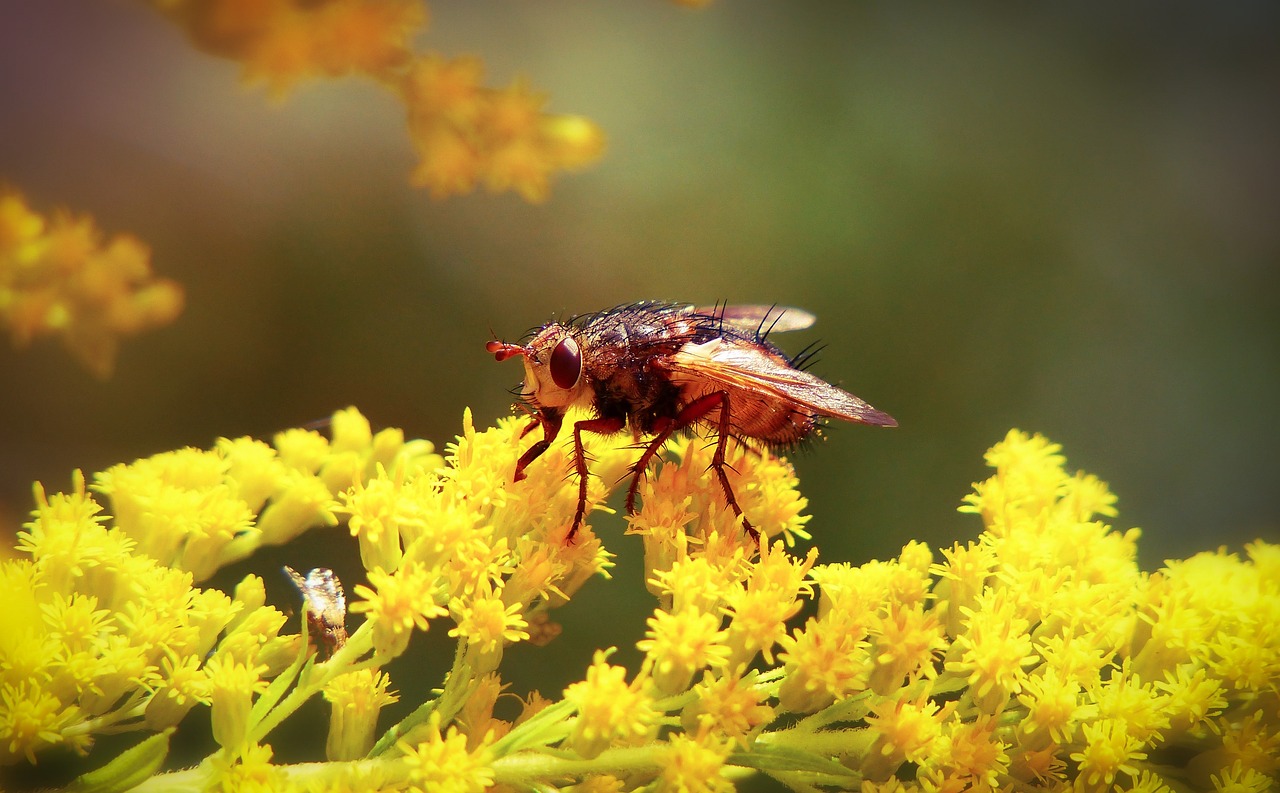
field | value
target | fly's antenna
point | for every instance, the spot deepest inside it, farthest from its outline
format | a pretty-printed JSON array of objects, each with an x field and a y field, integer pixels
[{"x": 502, "y": 351}]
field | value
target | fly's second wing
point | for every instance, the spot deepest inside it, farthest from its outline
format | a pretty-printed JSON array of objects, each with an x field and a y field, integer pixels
[
  {"x": 759, "y": 320},
  {"x": 768, "y": 398}
]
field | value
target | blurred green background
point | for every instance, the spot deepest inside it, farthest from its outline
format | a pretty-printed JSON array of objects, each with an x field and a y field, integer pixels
[{"x": 1058, "y": 217}]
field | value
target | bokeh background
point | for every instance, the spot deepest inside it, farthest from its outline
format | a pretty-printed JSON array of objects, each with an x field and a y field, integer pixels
[{"x": 1058, "y": 217}]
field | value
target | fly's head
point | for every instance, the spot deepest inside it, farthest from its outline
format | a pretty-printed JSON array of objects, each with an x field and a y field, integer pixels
[{"x": 553, "y": 366}]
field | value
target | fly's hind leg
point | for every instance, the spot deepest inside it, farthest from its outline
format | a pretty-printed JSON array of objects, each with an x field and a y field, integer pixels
[{"x": 689, "y": 414}]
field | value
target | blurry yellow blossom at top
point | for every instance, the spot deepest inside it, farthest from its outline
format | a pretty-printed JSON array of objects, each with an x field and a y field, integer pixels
[
  {"x": 58, "y": 277},
  {"x": 465, "y": 134}
]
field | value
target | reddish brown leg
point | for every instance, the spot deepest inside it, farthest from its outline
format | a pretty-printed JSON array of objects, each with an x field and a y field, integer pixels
[
  {"x": 600, "y": 426},
  {"x": 550, "y": 426},
  {"x": 665, "y": 429},
  {"x": 689, "y": 414}
]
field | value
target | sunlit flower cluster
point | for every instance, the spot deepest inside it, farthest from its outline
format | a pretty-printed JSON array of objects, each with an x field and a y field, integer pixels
[
  {"x": 1037, "y": 656},
  {"x": 465, "y": 134},
  {"x": 58, "y": 277}
]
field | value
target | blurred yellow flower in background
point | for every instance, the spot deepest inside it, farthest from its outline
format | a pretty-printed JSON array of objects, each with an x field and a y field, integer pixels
[
  {"x": 59, "y": 278},
  {"x": 465, "y": 134}
]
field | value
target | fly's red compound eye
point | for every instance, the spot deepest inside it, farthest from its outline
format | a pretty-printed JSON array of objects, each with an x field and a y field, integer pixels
[{"x": 566, "y": 363}]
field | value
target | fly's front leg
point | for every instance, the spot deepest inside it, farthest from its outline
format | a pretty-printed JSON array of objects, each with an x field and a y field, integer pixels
[
  {"x": 550, "y": 427},
  {"x": 600, "y": 426}
]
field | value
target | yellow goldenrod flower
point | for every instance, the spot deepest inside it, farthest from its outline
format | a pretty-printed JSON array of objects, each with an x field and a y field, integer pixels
[
  {"x": 968, "y": 756},
  {"x": 356, "y": 699},
  {"x": 1037, "y": 656},
  {"x": 728, "y": 705},
  {"x": 760, "y": 607},
  {"x": 1109, "y": 750},
  {"x": 396, "y": 604},
  {"x": 1192, "y": 698},
  {"x": 693, "y": 766},
  {"x": 1053, "y": 708},
  {"x": 441, "y": 762},
  {"x": 232, "y": 685},
  {"x": 487, "y": 624},
  {"x": 609, "y": 710},
  {"x": 185, "y": 685},
  {"x": 249, "y": 771},
  {"x": 993, "y": 651},
  {"x": 1240, "y": 779},
  {"x": 376, "y": 511},
  {"x": 465, "y": 133},
  {"x": 31, "y": 719},
  {"x": 828, "y": 659},
  {"x": 905, "y": 730},
  {"x": 905, "y": 639},
  {"x": 678, "y": 645},
  {"x": 58, "y": 278}
]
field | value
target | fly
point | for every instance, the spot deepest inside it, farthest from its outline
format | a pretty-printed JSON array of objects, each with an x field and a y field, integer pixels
[{"x": 659, "y": 368}]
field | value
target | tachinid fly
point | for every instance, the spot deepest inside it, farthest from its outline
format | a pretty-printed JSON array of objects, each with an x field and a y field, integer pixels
[{"x": 659, "y": 368}]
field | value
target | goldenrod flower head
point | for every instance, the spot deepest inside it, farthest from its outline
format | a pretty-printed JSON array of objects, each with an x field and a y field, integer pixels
[
  {"x": 993, "y": 651},
  {"x": 826, "y": 660},
  {"x": 1253, "y": 740},
  {"x": 693, "y": 766},
  {"x": 969, "y": 755},
  {"x": 1036, "y": 656},
  {"x": 396, "y": 604},
  {"x": 1241, "y": 779},
  {"x": 729, "y": 705},
  {"x": 487, "y": 624},
  {"x": 299, "y": 502},
  {"x": 1124, "y": 697},
  {"x": 1053, "y": 708},
  {"x": 679, "y": 644},
  {"x": 441, "y": 762},
  {"x": 695, "y": 582},
  {"x": 1192, "y": 698},
  {"x": 185, "y": 685},
  {"x": 302, "y": 449},
  {"x": 905, "y": 729},
  {"x": 761, "y": 605},
  {"x": 963, "y": 574},
  {"x": 375, "y": 513},
  {"x": 905, "y": 639},
  {"x": 31, "y": 719},
  {"x": 356, "y": 699},
  {"x": 609, "y": 710},
  {"x": 1109, "y": 750},
  {"x": 232, "y": 685},
  {"x": 247, "y": 771}
]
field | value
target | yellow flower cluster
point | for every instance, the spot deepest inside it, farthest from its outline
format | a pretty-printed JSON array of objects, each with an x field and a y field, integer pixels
[
  {"x": 1035, "y": 657},
  {"x": 58, "y": 277},
  {"x": 465, "y": 134}
]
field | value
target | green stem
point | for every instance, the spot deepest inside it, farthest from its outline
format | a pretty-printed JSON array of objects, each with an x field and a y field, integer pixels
[
  {"x": 448, "y": 703},
  {"x": 524, "y": 768},
  {"x": 314, "y": 679}
]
